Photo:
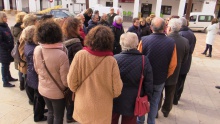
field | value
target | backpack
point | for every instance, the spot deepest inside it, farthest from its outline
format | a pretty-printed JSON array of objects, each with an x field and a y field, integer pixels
[{"x": 15, "y": 53}]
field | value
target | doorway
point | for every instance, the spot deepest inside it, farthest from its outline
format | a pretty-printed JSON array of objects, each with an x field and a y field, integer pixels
[{"x": 146, "y": 9}]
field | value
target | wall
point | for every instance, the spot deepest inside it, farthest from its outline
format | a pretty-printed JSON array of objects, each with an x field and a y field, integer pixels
[
  {"x": 45, "y": 4},
  {"x": 209, "y": 8},
  {"x": 25, "y": 5}
]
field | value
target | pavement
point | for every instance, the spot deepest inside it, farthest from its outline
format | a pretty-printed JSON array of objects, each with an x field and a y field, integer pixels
[{"x": 199, "y": 104}]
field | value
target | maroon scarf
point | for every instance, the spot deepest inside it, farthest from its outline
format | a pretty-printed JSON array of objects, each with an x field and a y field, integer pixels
[{"x": 98, "y": 53}]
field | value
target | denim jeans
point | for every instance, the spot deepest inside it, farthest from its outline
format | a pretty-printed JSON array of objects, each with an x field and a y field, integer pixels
[
  {"x": 5, "y": 72},
  {"x": 157, "y": 89},
  {"x": 56, "y": 109},
  {"x": 141, "y": 119}
]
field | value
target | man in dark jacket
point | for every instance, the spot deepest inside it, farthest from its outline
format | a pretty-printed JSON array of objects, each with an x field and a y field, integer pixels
[
  {"x": 182, "y": 48},
  {"x": 188, "y": 34},
  {"x": 135, "y": 28},
  {"x": 111, "y": 16},
  {"x": 93, "y": 22},
  {"x": 161, "y": 52},
  {"x": 103, "y": 20}
]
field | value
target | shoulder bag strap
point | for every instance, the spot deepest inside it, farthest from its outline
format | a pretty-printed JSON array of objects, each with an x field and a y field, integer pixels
[
  {"x": 142, "y": 76},
  {"x": 43, "y": 61}
]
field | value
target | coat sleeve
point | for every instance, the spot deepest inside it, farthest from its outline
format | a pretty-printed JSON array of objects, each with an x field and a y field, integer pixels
[
  {"x": 173, "y": 63},
  {"x": 64, "y": 68},
  {"x": 186, "y": 55},
  {"x": 148, "y": 79},
  {"x": 21, "y": 49},
  {"x": 34, "y": 61},
  {"x": 116, "y": 80},
  {"x": 3, "y": 43},
  {"x": 72, "y": 77}
]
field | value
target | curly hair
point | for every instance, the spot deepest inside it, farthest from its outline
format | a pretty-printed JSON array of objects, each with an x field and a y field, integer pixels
[
  {"x": 20, "y": 16},
  {"x": 70, "y": 27},
  {"x": 100, "y": 38},
  {"x": 48, "y": 32}
]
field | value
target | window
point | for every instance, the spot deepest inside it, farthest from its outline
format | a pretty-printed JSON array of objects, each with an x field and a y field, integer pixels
[
  {"x": 60, "y": 14},
  {"x": 193, "y": 18},
  {"x": 166, "y": 10},
  {"x": 205, "y": 18}
]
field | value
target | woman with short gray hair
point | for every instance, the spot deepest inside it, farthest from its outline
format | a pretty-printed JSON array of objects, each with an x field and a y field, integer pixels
[
  {"x": 130, "y": 66},
  {"x": 118, "y": 30}
]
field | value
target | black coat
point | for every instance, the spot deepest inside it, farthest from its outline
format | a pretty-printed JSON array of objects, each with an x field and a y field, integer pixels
[
  {"x": 32, "y": 77},
  {"x": 130, "y": 65},
  {"x": 188, "y": 34},
  {"x": 182, "y": 48},
  {"x": 73, "y": 45},
  {"x": 87, "y": 18},
  {"x": 91, "y": 25},
  {"x": 111, "y": 18},
  {"x": 117, "y": 34},
  {"x": 136, "y": 30},
  {"x": 6, "y": 44},
  {"x": 145, "y": 30}
]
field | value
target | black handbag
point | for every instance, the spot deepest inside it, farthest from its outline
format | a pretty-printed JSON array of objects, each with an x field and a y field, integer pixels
[{"x": 66, "y": 92}]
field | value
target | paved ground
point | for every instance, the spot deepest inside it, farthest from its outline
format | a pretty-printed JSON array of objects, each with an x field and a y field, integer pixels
[{"x": 199, "y": 104}]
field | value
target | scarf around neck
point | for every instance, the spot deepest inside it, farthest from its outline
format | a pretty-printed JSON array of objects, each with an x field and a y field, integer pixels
[
  {"x": 98, "y": 53},
  {"x": 117, "y": 25}
]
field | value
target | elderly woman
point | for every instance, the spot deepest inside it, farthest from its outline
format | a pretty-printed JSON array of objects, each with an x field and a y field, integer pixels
[
  {"x": 118, "y": 30},
  {"x": 6, "y": 46},
  {"x": 130, "y": 75},
  {"x": 54, "y": 55},
  {"x": 94, "y": 94},
  {"x": 212, "y": 31},
  {"x": 32, "y": 77},
  {"x": 145, "y": 29}
]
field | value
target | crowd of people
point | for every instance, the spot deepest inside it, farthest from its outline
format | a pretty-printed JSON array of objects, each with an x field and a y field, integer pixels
[{"x": 99, "y": 62}]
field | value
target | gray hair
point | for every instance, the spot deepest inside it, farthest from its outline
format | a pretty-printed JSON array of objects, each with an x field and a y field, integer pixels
[
  {"x": 158, "y": 24},
  {"x": 117, "y": 17},
  {"x": 184, "y": 21},
  {"x": 175, "y": 24},
  {"x": 128, "y": 41},
  {"x": 2, "y": 15}
]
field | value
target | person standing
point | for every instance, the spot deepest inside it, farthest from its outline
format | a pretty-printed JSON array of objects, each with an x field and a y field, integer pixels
[
  {"x": 161, "y": 52},
  {"x": 54, "y": 54},
  {"x": 188, "y": 34},
  {"x": 130, "y": 75},
  {"x": 87, "y": 15},
  {"x": 93, "y": 22},
  {"x": 210, "y": 38},
  {"x": 135, "y": 28},
  {"x": 103, "y": 20},
  {"x": 111, "y": 16},
  {"x": 93, "y": 100},
  {"x": 82, "y": 18},
  {"x": 32, "y": 77},
  {"x": 118, "y": 30},
  {"x": 182, "y": 47},
  {"x": 145, "y": 28},
  {"x": 6, "y": 46}
]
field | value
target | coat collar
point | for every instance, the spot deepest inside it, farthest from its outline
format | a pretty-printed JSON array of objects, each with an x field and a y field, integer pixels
[
  {"x": 132, "y": 51},
  {"x": 173, "y": 34},
  {"x": 158, "y": 34},
  {"x": 184, "y": 28}
]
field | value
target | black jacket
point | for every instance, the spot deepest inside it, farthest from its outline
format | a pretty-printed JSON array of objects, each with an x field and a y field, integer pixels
[
  {"x": 182, "y": 48},
  {"x": 73, "y": 45},
  {"x": 32, "y": 77},
  {"x": 130, "y": 65},
  {"x": 111, "y": 18},
  {"x": 6, "y": 43},
  {"x": 117, "y": 34},
  {"x": 91, "y": 25},
  {"x": 87, "y": 18},
  {"x": 136, "y": 30},
  {"x": 159, "y": 50},
  {"x": 145, "y": 30},
  {"x": 188, "y": 34}
]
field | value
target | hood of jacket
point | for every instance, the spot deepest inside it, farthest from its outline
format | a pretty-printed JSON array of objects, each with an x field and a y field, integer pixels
[{"x": 71, "y": 41}]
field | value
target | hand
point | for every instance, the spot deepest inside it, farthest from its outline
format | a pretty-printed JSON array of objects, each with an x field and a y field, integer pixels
[{"x": 73, "y": 96}]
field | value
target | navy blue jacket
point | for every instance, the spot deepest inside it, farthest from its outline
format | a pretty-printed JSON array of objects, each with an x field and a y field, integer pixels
[
  {"x": 91, "y": 25},
  {"x": 188, "y": 34},
  {"x": 145, "y": 30},
  {"x": 159, "y": 49},
  {"x": 117, "y": 34},
  {"x": 136, "y": 30},
  {"x": 6, "y": 44},
  {"x": 130, "y": 65},
  {"x": 32, "y": 77}
]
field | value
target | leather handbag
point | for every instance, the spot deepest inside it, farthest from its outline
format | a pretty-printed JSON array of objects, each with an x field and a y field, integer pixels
[
  {"x": 142, "y": 106},
  {"x": 66, "y": 92}
]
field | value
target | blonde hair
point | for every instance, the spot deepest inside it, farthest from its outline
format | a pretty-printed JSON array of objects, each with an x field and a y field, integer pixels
[
  {"x": 148, "y": 20},
  {"x": 20, "y": 16},
  {"x": 29, "y": 20},
  {"x": 58, "y": 20},
  {"x": 129, "y": 41},
  {"x": 27, "y": 34},
  {"x": 2, "y": 15}
]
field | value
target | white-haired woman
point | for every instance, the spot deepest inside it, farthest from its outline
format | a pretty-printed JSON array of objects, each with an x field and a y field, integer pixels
[
  {"x": 130, "y": 65},
  {"x": 118, "y": 30},
  {"x": 6, "y": 46}
]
